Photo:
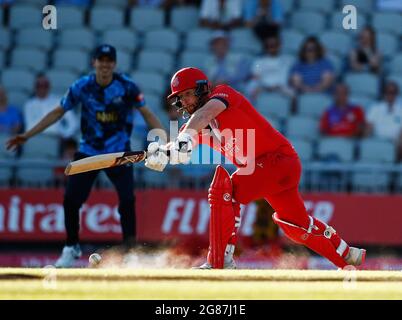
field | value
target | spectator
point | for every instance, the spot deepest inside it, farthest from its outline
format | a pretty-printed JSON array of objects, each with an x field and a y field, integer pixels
[
  {"x": 313, "y": 72},
  {"x": 343, "y": 119},
  {"x": 223, "y": 67},
  {"x": 385, "y": 118},
  {"x": 365, "y": 57},
  {"x": 271, "y": 71},
  {"x": 264, "y": 16},
  {"x": 10, "y": 117},
  {"x": 43, "y": 102},
  {"x": 221, "y": 14}
]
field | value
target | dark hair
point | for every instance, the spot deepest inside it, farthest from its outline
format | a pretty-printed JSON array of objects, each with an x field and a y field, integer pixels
[
  {"x": 314, "y": 40},
  {"x": 373, "y": 36}
]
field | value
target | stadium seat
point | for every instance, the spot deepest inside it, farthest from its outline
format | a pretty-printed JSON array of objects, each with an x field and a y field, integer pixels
[
  {"x": 154, "y": 102},
  {"x": 365, "y": 6},
  {"x": 151, "y": 60},
  {"x": 25, "y": 16},
  {"x": 309, "y": 22},
  {"x": 70, "y": 17},
  {"x": 77, "y": 39},
  {"x": 387, "y": 22},
  {"x": 395, "y": 65},
  {"x": 124, "y": 39},
  {"x": 17, "y": 78},
  {"x": 118, "y": 3},
  {"x": 337, "y": 19},
  {"x": 34, "y": 59},
  {"x": 124, "y": 61},
  {"x": 363, "y": 83},
  {"x": 273, "y": 104},
  {"x": 5, "y": 39},
  {"x": 377, "y": 151},
  {"x": 183, "y": 19},
  {"x": 314, "y": 5},
  {"x": 6, "y": 174},
  {"x": 75, "y": 60},
  {"x": 61, "y": 80},
  {"x": 2, "y": 59},
  {"x": 35, "y": 176},
  {"x": 37, "y": 3},
  {"x": 303, "y": 148},
  {"x": 244, "y": 40},
  {"x": 106, "y": 17},
  {"x": 372, "y": 181},
  {"x": 362, "y": 101},
  {"x": 164, "y": 40},
  {"x": 302, "y": 127},
  {"x": 17, "y": 98},
  {"x": 41, "y": 146},
  {"x": 291, "y": 41},
  {"x": 340, "y": 149},
  {"x": 198, "y": 40},
  {"x": 387, "y": 44},
  {"x": 193, "y": 59},
  {"x": 288, "y": 6},
  {"x": 338, "y": 62},
  {"x": 313, "y": 104},
  {"x": 337, "y": 42},
  {"x": 150, "y": 82},
  {"x": 35, "y": 37},
  {"x": 4, "y": 153},
  {"x": 146, "y": 19}
]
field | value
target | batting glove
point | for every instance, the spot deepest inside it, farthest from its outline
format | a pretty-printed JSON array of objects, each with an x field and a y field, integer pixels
[
  {"x": 181, "y": 149},
  {"x": 156, "y": 157}
]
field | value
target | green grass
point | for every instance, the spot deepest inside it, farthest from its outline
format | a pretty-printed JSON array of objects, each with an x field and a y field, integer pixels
[{"x": 16, "y": 283}]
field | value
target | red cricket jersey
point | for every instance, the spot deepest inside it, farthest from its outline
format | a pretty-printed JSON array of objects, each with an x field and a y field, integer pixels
[
  {"x": 342, "y": 122},
  {"x": 240, "y": 133}
]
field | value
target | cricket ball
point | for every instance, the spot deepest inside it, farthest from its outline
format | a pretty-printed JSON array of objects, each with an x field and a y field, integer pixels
[{"x": 95, "y": 258}]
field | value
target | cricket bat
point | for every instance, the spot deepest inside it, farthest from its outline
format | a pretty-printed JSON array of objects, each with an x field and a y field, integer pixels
[{"x": 103, "y": 161}]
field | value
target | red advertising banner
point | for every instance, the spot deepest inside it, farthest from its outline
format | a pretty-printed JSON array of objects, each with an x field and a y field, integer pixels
[{"x": 37, "y": 215}]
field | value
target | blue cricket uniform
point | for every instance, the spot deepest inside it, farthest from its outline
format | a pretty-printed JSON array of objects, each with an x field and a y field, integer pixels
[{"x": 107, "y": 115}]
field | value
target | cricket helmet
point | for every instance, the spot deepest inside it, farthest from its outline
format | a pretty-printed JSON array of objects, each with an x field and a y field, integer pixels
[{"x": 188, "y": 78}]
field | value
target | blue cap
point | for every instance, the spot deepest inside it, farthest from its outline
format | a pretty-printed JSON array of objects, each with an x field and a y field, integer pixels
[{"x": 105, "y": 50}]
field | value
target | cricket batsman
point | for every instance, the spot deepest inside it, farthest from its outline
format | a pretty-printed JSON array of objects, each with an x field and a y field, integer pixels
[{"x": 268, "y": 168}]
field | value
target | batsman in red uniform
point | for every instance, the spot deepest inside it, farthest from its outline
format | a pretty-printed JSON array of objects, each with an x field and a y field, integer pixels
[{"x": 268, "y": 167}]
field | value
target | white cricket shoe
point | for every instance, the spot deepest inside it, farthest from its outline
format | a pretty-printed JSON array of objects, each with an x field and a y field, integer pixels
[
  {"x": 231, "y": 264},
  {"x": 355, "y": 256},
  {"x": 68, "y": 256}
]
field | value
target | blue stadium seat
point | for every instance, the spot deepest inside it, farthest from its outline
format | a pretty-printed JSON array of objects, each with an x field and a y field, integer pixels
[
  {"x": 302, "y": 127},
  {"x": 122, "y": 38},
  {"x": 396, "y": 78},
  {"x": 164, "y": 40},
  {"x": 2, "y": 59},
  {"x": 341, "y": 149},
  {"x": 337, "y": 42},
  {"x": 5, "y": 175},
  {"x": 371, "y": 181},
  {"x": 291, "y": 40},
  {"x": 337, "y": 19},
  {"x": 70, "y": 17},
  {"x": 35, "y": 37},
  {"x": 35, "y": 176},
  {"x": 41, "y": 146},
  {"x": 314, "y": 5},
  {"x": 119, "y": 3},
  {"x": 183, "y": 19},
  {"x": 150, "y": 82},
  {"x": 288, "y": 5},
  {"x": 17, "y": 78},
  {"x": 154, "y": 102},
  {"x": 4, "y": 153},
  {"x": 313, "y": 104},
  {"x": 17, "y": 98},
  {"x": 387, "y": 44},
  {"x": 387, "y": 22},
  {"x": 395, "y": 65},
  {"x": 244, "y": 40},
  {"x": 146, "y": 19},
  {"x": 363, "y": 83},
  {"x": 309, "y": 22},
  {"x": 377, "y": 151},
  {"x": 338, "y": 62},
  {"x": 25, "y": 16},
  {"x": 34, "y": 59},
  {"x": 5, "y": 39},
  {"x": 82, "y": 38},
  {"x": 365, "y": 6},
  {"x": 303, "y": 148},
  {"x": 124, "y": 61},
  {"x": 106, "y": 17},
  {"x": 362, "y": 101},
  {"x": 273, "y": 104},
  {"x": 73, "y": 59},
  {"x": 193, "y": 59},
  {"x": 198, "y": 40},
  {"x": 61, "y": 80},
  {"x": 151, "y": 60}
]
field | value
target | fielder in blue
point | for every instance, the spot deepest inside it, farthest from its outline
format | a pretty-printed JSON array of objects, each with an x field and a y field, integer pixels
[{"x": 108, "y": 101}]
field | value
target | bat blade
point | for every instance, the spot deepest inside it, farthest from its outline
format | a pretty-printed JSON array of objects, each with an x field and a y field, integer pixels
[{"x": 104, "y": 161}]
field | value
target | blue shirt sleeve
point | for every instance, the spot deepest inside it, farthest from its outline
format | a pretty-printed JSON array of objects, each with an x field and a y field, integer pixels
[
  {"x": 136, "y": 95},
  {"x": 72, "y": 97}
]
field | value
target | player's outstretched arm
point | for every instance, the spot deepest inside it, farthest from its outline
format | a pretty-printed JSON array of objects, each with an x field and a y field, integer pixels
[{"x": 42, "y": 125}]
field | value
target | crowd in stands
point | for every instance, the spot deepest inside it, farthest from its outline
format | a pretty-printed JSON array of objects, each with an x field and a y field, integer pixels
[{"x": 291, "y": 58}]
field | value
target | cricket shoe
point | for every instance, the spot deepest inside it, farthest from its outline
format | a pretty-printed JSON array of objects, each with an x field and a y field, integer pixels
[
  {"x": 68, "y": 256},
  {"x": 231, "y": 264},
  {"x": 355, "y": 257}
]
